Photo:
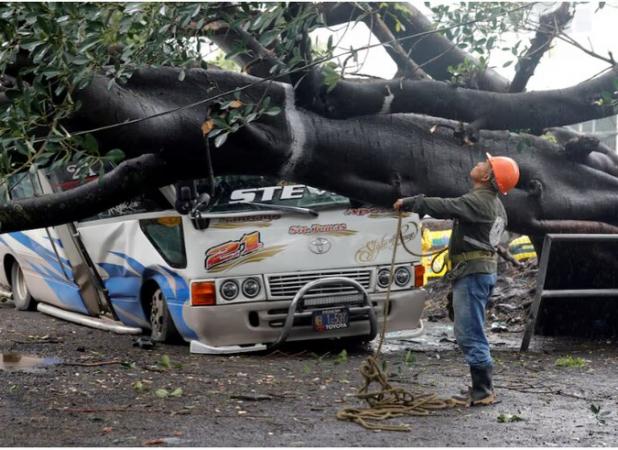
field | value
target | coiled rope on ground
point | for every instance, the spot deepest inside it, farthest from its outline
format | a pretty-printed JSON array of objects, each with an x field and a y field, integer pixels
[{"x": 389, "y": 402}]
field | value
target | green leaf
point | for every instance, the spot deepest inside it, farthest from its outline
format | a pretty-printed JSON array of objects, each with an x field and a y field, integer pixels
[
  {"x": 220, "y": 140},
  {"x": 219, "y": 122},
  {"x": 162, "y": 393},
  {"x": 29, "y": 46},
  {"x": 342, "y": 357},
  {"x": 176, "y": 392},
  {"x": 90, "y": 144},
  {"x": 165, "y": 362},
  {"x": 273, "y": 111},
  {"x": 138, "y": 386},
  {"x": 409, "y": 359},
  {"x": 181, "y": 75},
  {"x": 80, "y": 60},
  {"x": 115, "y": 155},
  {"x": 267, "y": 38}
]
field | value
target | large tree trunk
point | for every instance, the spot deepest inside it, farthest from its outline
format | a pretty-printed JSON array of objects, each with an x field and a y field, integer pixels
[{"x": 373, "y": 158}]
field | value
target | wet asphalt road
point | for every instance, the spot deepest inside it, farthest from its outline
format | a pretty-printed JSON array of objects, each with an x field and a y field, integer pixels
[{"x": 100, "y": 390}]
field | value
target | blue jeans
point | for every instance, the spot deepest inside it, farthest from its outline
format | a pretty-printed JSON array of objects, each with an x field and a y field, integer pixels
[{"x": 470, "y": 296}]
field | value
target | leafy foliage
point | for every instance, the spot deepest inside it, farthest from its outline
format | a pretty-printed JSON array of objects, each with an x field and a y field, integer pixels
[
  {"x": 55, "y": 49},
  {"x": 570, "y": 361},
  {"x": 484, "y": 26}
]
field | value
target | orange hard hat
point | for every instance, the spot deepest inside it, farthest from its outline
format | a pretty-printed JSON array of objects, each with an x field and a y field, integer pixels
[{"x": 505, "y": 170}]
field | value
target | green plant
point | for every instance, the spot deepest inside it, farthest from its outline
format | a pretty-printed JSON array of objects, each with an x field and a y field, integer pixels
[
  {"x": 570, "y": 361},
  {"x": 342, "y": 357},
  {"x": 165, "y": 362},
  {"x": 508, "y": 418},
  {"x": 409, "y": 358}
]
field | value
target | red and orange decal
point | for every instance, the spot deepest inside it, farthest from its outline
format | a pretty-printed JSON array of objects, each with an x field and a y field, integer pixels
[{"x": 232, "y": 250}]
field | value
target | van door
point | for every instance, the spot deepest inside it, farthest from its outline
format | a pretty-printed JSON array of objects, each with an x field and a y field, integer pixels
[
  {"x": 70, "y": 251},
  {"x": 47, "y": 273}
]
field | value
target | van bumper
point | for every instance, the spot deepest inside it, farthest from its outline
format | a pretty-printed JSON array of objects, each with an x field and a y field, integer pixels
[{"x": 251, "y": 326}]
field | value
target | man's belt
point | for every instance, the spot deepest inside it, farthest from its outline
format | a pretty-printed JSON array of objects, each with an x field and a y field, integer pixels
[{"x": 469, "y": 256}]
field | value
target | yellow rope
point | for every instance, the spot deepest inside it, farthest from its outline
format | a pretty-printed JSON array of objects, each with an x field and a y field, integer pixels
[{"x": 389, "y": 402}]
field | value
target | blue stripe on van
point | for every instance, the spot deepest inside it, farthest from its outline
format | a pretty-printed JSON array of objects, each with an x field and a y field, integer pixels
[
  {"x": 67, "y": 294},
  {"x": 116, "y": 270},
  {"x": 123, "y": 286},
  {"x": 58, "y": 242},
  {"x": 44, "y": 253},
  {"x": 133, "y": 263}
]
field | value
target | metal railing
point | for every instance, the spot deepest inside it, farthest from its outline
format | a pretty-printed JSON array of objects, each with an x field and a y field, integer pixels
[{"x": 542, "y": 293}]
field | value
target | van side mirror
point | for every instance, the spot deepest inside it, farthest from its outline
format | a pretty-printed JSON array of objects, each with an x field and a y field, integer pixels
[
  {"x": 184, "y": 198},
  {"x": 202, "y": 201}
]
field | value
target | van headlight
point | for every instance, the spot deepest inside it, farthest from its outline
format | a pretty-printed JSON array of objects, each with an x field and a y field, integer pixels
[
  {"x": 251, "y": 287},
  {"x": 229, "y": 290},
  {"x": 402, "y": 276},
  {"x": 384, "y": 278}
]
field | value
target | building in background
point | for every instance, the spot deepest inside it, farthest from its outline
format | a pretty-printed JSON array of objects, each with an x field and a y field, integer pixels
[{"x": 604, "y": 129}]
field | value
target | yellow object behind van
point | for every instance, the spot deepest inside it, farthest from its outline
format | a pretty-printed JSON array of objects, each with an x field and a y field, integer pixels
[{"x": 521, "y": 249}]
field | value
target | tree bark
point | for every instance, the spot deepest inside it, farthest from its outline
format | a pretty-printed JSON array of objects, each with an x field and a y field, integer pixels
[
  {"x": 372, "y": 158},
  {"x": 534, "y": 110},
  {"x": 130, "y": 178}
]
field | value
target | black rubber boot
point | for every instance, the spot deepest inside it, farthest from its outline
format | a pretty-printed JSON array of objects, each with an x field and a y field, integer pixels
[{"x": 482, "y": 392}]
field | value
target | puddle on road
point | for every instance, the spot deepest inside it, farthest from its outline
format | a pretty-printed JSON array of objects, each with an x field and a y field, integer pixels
[
  {"x": 17, "y": 361},
  {"x": 439, "y": 336}
]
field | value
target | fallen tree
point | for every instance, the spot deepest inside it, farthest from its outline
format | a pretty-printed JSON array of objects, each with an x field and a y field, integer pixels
[{"x": 374, "y": 140}]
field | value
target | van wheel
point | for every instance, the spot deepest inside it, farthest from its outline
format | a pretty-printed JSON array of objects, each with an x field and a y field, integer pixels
[
  {"x": 21, "y": 296},
  {"x": 162, "y": 328}
]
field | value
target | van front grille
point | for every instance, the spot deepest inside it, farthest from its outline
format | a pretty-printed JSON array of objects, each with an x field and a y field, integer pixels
[{"x": 283, "y": 286}]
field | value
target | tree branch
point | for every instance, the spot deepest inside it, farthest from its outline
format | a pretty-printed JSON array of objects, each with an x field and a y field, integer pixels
[
  {"x": 423, "y": 49},
  {"x": 257, "y": 62},
  {"x": 536, "y": 110},
  {"x": 407, "y": 67},
  {"x": 550, "y": 25},
  {"x": 131, "y": 177}
]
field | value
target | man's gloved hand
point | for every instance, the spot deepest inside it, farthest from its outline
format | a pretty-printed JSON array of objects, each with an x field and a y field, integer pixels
[{"x": 412, "y": 204}]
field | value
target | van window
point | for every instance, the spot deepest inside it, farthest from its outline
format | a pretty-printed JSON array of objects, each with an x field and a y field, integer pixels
[
  {"x": 232, "y": 191},
  {"x": 71, "y": 176},
  {"x": 165, "y": 234},
  {"x": 21, "y": 186}
]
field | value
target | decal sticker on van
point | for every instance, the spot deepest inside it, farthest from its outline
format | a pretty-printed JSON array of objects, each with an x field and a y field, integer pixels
[
  {"x": 371, "y": 249},
  {"x": 374, "y": 213},
  {"x": 336, "y": 229},
  {"x": 249, "y": 248},
  {"x": 261, "y": 221}
]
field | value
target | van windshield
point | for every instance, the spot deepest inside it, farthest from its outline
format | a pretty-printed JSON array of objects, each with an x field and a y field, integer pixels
[{"x": 232, "y": 193}]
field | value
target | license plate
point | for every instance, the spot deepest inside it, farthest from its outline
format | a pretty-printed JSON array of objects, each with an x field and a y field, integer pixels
[{"x": 330, "y": 319}]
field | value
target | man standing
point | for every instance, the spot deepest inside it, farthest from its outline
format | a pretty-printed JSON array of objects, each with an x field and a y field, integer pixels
[{"x": 479, "y": 220}]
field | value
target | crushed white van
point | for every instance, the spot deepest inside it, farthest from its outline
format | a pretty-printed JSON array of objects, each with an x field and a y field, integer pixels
[{"x": 260, "y": 263}]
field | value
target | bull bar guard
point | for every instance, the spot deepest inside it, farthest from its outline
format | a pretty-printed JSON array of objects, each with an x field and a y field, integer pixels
[{"x": 296, "y": 311}]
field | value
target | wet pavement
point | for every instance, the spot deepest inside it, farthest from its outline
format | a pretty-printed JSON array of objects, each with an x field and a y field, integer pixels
[
  {"x": 104, "y": 391},
  {"x": 16, "y": 361}
]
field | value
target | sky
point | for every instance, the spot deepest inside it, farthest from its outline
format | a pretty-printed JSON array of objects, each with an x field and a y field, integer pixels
[{"x": 563, "y": 66}]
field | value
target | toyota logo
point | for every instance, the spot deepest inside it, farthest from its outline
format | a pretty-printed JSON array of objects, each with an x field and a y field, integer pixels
[{"x": 319, "y": 246}]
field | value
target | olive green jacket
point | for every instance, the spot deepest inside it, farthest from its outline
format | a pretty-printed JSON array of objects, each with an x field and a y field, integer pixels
[{"x": 479, "y": 220}]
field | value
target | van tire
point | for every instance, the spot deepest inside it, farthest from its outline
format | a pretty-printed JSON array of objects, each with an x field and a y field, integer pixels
[
  {"x": 162, "y": 328},
  {"x": 21, "y": 295}
]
